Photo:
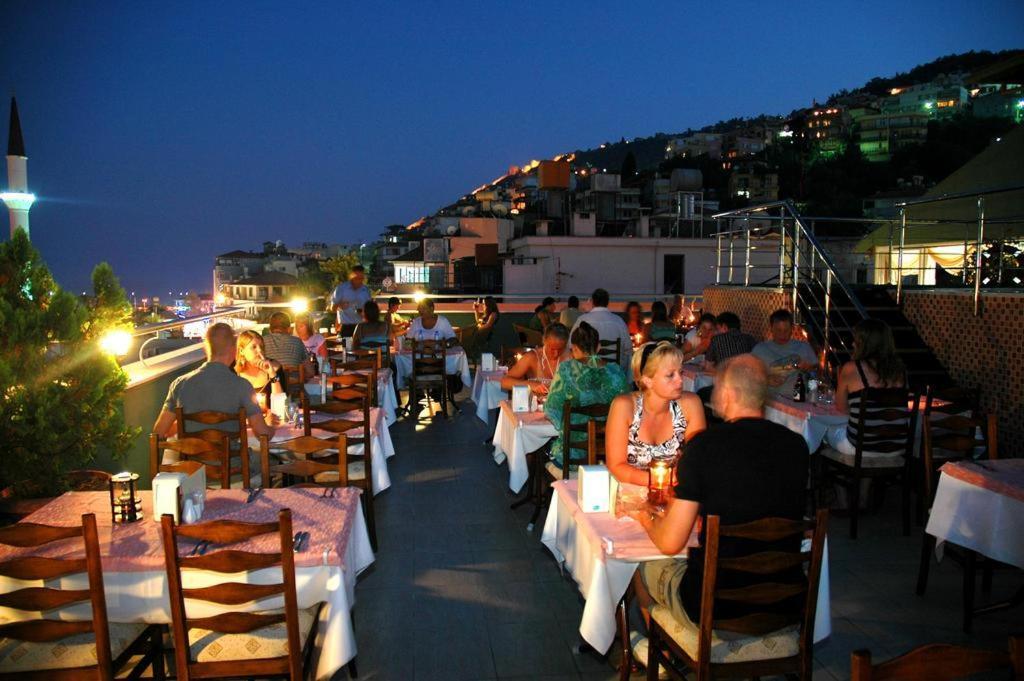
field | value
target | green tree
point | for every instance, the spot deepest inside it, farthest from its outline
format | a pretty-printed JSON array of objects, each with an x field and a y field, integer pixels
[
  {"x": 314, "y": 281},
  {"x": 60, "y": 395},
  {"x": 339, "y": 266}
]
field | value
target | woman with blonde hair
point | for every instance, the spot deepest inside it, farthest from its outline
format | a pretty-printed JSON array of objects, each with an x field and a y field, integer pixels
[
  {"x": 251, "y": 364},
  {"x": 653, "y": 423}
]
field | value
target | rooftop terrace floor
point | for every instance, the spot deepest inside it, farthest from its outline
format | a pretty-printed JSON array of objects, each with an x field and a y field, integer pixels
[{"x": 461, "y": 591}]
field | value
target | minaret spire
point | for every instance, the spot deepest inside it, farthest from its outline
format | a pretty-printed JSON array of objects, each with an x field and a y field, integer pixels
[{"x": 17, "y": 197}]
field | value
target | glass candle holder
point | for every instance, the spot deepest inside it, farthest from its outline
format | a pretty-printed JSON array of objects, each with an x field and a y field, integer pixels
[
  {"x": 659, "y": 482},
  {"x": 125, "y": 504}
]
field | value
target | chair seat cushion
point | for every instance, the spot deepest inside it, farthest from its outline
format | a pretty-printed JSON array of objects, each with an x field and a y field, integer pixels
[
  {"x": 555, "y": 472},
  {"x": 868, "y": 459},
  {"x": 74, "y": 651},
  {"x": 264, "y": 643},
  {"x": 727, "y": 646},
  {"x": 356, "y": 471}
]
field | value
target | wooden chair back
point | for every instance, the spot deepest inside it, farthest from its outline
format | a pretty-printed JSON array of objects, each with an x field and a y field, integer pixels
[
  {"x": 885, "y": 422},
  {"x": 47, "y": 598},
  {"x": 529, "y": 338},
  {"x": 312, "y": 456},
  {"x": 238, "y": 439},
  {"x": 610, "y": 350},
  {"x": 232, "y": 593},
  {"x": 295, "y": 376},
  {"x": 951, "y": 400},
  {"x": 215, "y": 455},
  {"x": 772, "y": 569},
  {"x": 375, "y": 351},
  {"x": 582, "y": 437},
  {"x": 354, "y": 375},
  {"x": 957, "y": 437},
  {"x": 940, "y": 662}
]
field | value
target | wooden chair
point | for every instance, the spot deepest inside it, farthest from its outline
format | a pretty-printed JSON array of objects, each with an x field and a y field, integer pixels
[
  {"x": 235, "y": 643},
  {"x": 528, "y": 338},
  {"x": 764, "y": 642},
  {"x": 940, "y": 662},
  {"x": 428, "y": 372},
  {"x": 56, "y": 649},
  {"x": 354, "y": 373},
  {"x": 351, "y": 416},
  {"x": 949, "y": 437},
  {"x": 322, "y": 462},
  {"x": 885, "y": 431},
  {"x": 238, "y": 439},
  {"x": 610, "y": 350},
  {"x": 940, "y": 401},
  {"x": 295, "y": 376},
  {"x": 212, "y": 454}
]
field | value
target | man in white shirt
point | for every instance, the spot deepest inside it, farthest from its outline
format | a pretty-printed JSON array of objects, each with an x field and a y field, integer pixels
[
  {"x": 608, "y": 325},
  {"x": 348, "y": 300}
]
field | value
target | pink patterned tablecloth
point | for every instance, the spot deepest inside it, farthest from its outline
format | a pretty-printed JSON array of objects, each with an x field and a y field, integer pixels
[
  {"x": 619, "y": 538},
  {"x": 137, "y": 547},
  {"x": 803, "y": 409},
  {"x": 1004, "y": 477},
  {"x": 524, "y": 417}
]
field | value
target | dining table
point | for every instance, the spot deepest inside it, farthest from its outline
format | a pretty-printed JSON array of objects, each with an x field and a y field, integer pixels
[
  {"x": 135, "y": 578},
  {"x": 601, "y": 552},
  {"x": 516, "y": 435},
  {"x": 487, "y": 393}
]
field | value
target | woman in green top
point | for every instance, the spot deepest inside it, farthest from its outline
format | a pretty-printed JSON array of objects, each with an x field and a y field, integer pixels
[
  {"x": 659, "y": 328},
  {"x": 584, "y": 380}
]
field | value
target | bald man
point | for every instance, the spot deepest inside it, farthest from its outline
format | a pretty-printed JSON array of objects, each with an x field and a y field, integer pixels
[
  {"x": 742, "y": 470},
  {"x": 213, "y": 387}
]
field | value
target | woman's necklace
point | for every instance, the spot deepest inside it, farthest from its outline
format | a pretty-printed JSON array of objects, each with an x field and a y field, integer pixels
[{"x": 545, "y": 364}]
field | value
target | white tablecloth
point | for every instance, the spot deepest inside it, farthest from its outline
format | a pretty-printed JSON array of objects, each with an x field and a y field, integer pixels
[
  {"x": 381, "y": 447},
  {"x": 487, "y": 393},
  {"x": 142, "y": 597},
  {"x": 694, "y": 379},
  {"x": 386, "y": 394},
  {"x": 603, "y": 580},
  {"x": 812, "y": 424},
  {"x": 978, "y": 518},
  {"x": 456, "y": 364},
  {"x": 515, "y": 437}
]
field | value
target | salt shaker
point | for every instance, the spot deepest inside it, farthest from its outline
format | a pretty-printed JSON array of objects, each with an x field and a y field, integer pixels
[{"x": 188, "y": 515}]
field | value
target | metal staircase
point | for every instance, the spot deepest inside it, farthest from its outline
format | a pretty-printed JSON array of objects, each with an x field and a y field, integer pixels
[{"x": 822, "y": 301}]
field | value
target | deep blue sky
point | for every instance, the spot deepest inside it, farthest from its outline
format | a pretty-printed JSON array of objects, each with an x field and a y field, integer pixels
[{"x": 161, "y": 134}]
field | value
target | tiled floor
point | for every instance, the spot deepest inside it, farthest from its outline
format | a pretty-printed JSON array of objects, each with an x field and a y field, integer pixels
[{"x": 460, "y": 590}]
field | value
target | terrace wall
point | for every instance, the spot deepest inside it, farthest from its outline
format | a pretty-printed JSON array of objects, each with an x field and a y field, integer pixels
[{"x": 752, "y": 304}]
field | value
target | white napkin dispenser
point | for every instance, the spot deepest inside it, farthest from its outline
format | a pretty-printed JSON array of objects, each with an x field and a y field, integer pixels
[
  {"x": 593, "y": 489},
  {"x": 487, "y": 362},
  {"x": 169, "y": 489},
  {"x": 279, "y": 405},
  {"x": 520, "y": 398}
]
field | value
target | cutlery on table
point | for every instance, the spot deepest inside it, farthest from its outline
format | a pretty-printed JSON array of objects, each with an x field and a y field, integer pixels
[
  {"x": 196, "y": 549},
  {"x": 253, "y": 493}
]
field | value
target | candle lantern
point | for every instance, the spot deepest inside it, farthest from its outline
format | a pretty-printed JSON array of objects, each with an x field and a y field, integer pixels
[
  {"x": 261, "y": 400},
  {"x": 125, "y": 504},
  {"x": 659, "y": 481}
]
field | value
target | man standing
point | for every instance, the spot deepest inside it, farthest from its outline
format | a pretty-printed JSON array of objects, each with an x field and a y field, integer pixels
[
  {"x": 348, "y": 300},
  {"x": 609, "y": 326},
  {"x": 213, "y": 387},
  {"x": 784, "y": 356},
  {"x": 742, "y": 470}
]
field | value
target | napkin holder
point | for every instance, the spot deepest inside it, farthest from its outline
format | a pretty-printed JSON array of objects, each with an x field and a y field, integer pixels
[
  {"x": 593, "y": 489},
  {"x": 170, "y": 490},
  {"x": 520, "y": 398},
  {"x": 279, "y": 405},
  {"x": 487, "y": 362}
]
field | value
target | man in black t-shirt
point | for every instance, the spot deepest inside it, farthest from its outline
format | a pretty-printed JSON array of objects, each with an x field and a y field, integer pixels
[{"x": 742, "y": 470}]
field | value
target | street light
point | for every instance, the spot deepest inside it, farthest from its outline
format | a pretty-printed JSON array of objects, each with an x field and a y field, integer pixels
[{"x": 116, "y": 342}]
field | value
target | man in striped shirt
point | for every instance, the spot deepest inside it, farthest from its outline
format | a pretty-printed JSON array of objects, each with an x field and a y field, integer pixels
[{"x": 728, "y": 342}]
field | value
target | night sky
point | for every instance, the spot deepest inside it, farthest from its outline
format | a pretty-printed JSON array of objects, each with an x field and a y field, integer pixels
[{"x": 160, "y": 135}]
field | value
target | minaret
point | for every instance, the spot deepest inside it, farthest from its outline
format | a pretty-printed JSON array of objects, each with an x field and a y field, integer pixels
[{"x": 17, "y": 197}]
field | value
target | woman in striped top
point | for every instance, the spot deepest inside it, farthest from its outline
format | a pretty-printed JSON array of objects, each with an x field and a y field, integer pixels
[{"x": 875, "y": 364}]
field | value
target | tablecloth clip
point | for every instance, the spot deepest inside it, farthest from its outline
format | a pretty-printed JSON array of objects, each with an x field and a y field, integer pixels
[
  {"x": 327, "y": 553},
  {"x": 609, "y": 545}
]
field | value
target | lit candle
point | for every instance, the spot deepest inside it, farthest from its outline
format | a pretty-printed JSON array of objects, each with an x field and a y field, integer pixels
[
  {"x": 636, "y": 339},
  {"x": 261, "y": 399},
  {"x": 660, "y": 476}
]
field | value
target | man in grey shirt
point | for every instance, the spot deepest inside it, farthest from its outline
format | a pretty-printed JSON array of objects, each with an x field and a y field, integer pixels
[
  {"x": 213, "y": 387},
  {"x": 784, "y": 356}
]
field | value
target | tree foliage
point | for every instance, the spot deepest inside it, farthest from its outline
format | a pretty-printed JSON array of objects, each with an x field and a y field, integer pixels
[
  {"x": 314, "y": 281},
  {"x": 339, "y": 266},
  {"x": 59, "y": 394}
]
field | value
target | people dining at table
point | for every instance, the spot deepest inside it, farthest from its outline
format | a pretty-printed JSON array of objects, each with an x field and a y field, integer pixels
[
  {"x": 280, "y": 345},
  {"x": 571, "y": 313},
  {"x": 477, "y": 338},
  {"x": 251, "y": 363},
  {"x": 635, "y": 321},
  {"x": 372, "y": 330},
  {"x": 784, "y": 355},
  {"x": 659, "y": 328},
  {"x": 585, "y": 379},
  {"x": 609, "y": 326},
  {"x": 315, "y": 344},
  {"x": 742, "y": 470},
  {"x": 430, "y": 325},
  {"x": 697, "y": 339},
  {"x": 653, "y": 423},
  {"x": 874, "y": 364},
  {"x": 543, "y": 315},
  {"x": 348, "y": 299},
  {"x": 537, "y": 368},
  {"x": 397, "y": 323},
  {"x": 214, "y": 387},
  {"x": 727, "y": 342}
]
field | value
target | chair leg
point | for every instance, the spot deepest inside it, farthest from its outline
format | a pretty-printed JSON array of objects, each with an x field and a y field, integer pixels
[
  {"x": 927, "y": 547},
  {"x": 853, "y": 494},
  {"x": 970, "y": 559},
  {"x": 352, "y": 673},
  {"x": 906, "y": 505},
  {"x": 371, "y": 523},
  {"x": 157, "y": 651},
  {"x": 653, "y": 656},
  {"x": 986, "y": 576}
]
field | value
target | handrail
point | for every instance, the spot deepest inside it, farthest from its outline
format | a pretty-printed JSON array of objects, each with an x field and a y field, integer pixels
[
  {"x": 167, "y": 326},
  {"x": 960, "y": 195}
]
